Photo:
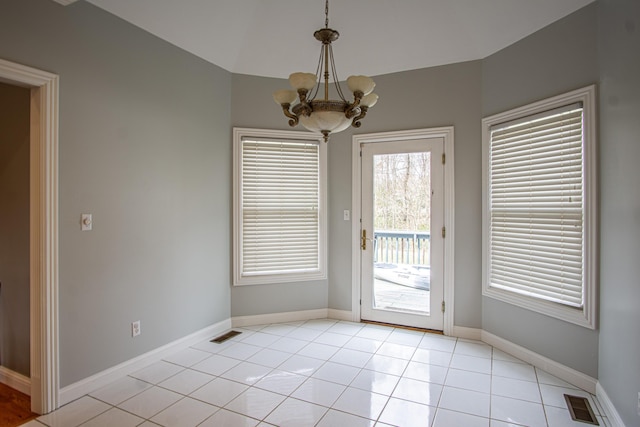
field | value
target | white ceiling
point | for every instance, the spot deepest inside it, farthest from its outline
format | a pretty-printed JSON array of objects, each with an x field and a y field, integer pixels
[{"x": 273, "y": 38}]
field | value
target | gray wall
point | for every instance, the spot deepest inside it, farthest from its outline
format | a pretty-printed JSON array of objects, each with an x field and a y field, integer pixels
[
  {"x": 619, "y": 50},
  {"x": 144, "y": 147},
  {"x": 556, "y": 59},
  {"x": 441, "y": 96},
  {"x": 14, "y": 228}
]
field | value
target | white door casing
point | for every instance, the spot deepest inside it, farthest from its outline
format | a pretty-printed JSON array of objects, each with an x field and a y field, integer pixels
[{"x": 447, "y": 133}]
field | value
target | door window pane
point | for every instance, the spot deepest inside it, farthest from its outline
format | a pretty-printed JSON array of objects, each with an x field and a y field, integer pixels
[{"x": 402, "y": 232}]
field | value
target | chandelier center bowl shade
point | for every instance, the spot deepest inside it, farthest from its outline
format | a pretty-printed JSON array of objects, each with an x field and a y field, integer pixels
[{"x": 324, "y": 115}]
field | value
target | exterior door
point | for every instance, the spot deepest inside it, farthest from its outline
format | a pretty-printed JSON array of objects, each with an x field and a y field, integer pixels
[{"x": 401, "y": 240}]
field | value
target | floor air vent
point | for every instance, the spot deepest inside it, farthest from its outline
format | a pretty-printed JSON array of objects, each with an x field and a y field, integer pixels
[
  {"x": 223, "y": 338},
  {"x": 580, "y": 409}
]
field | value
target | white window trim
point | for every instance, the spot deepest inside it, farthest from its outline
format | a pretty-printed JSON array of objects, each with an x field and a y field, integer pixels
[
  {"x": 587, "y": 316},
  {"x": 238, "y": 279}
]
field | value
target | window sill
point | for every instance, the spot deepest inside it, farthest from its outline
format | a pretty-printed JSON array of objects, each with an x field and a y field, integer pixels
[{"x": 581, "y": 317}]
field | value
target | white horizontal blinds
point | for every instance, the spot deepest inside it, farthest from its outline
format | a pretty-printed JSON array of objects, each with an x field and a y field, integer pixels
[
  {"x": 280, "y": 207},
  {"x": 536, "y": 205}
]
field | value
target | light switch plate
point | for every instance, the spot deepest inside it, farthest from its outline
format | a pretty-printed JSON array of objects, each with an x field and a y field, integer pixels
[{"x": 86, "y": 222}]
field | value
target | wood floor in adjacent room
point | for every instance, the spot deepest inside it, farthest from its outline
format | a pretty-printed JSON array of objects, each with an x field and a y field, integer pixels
[{"x": 15, "y": 407}]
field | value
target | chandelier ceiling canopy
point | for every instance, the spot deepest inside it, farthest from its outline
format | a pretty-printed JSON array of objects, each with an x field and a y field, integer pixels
[{"x": 324, "y": 115}]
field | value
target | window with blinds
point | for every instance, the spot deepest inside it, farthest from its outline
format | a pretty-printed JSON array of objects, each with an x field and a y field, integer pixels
[
  {"x": 536, "y": 214},
  {"x": 279, "y": 210}
]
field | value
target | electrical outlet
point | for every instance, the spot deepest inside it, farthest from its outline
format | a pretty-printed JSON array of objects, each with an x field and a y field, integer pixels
[
  {"x": 639, "y": 403},
  {"x": 135, "y": 328}
]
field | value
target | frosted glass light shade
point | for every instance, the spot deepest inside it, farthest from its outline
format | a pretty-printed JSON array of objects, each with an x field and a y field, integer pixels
[
  {"x": 306, "y": 81},
  {"x": 284, "y": 96},
  {"x": 332, "y": 121},
  {"x": 369, "y": 100},
  {"x": 363, "y": 84}
]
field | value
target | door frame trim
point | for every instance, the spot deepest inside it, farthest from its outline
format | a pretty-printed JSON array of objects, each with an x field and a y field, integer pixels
[
  {"x": 43, "y": 286},
  {"x": 447, "y": 133}
]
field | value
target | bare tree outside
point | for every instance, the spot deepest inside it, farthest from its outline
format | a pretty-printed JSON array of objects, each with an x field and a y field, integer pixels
[
  {"x": 402, "y": 192},
  {"x": 402, "y": 199}
]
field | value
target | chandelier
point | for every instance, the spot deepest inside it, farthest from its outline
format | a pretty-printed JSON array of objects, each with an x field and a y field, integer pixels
[{"x": 325, "y": 115}]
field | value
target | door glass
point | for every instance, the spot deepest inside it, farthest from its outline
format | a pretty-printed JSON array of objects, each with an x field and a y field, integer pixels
[{"x": 402, "y": 225}]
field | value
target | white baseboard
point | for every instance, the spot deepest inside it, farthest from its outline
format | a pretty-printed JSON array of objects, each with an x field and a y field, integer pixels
[
  {"x": 15, "y": 380},
  {"x": 94, "y": 382},
  {"x": 561, "y": 371},
  {"x": 289, "y": 316},
  {"x": 607, "y": 405},
  {"x": 332, "y": 313},
  {"x": 467, "y": 333}
]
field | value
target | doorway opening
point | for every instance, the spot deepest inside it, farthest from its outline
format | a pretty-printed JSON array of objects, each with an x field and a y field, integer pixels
[
  {"x": 43, "y": 385},
  {"x": 14, "y": 237},
  {"x": 402, "y": 204}
]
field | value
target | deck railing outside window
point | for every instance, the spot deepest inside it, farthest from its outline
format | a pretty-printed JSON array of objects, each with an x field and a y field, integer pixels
[{"x": 402, "y": 247}]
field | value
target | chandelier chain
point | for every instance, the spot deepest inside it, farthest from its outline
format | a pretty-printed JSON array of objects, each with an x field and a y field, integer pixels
[{"x": 326, "y": 14}]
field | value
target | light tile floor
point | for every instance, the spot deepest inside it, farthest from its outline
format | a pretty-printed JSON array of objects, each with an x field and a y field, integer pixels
[{"x": 330, "y": 373}]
